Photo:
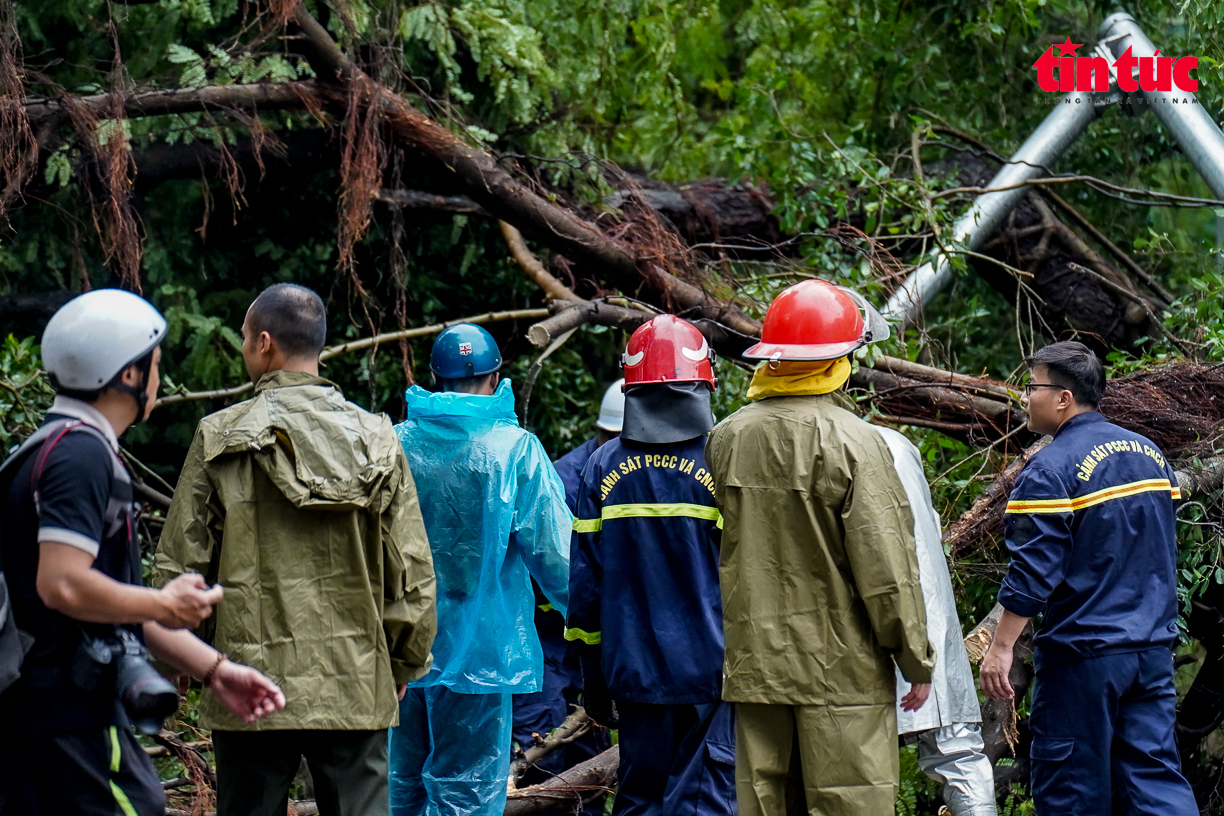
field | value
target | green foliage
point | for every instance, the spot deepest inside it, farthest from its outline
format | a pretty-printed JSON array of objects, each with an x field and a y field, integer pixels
[
  {"x": 917, "y": 795},
  {"x": 25, "y": 393}
]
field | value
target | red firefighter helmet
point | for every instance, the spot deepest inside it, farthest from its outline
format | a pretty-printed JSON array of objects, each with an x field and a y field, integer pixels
[
  {"x": 667, "y": 349},
  {"x": 815, "y": 320}
]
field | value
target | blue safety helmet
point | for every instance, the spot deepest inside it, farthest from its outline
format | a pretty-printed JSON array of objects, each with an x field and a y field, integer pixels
[{"x": 464, "y": 351}]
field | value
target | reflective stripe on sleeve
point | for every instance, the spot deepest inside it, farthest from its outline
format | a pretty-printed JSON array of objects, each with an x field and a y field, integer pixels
[
  {"x": 587, "y": 525},
  {"x": 589, "y": 638},
  {"x": 545, "y": 607},
  {"x": 1094, "y": 498}
]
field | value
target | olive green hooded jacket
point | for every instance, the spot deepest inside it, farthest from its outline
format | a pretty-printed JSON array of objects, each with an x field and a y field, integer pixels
[
  {"x": 302, "y": 506},
  {"x": 819, "y": 569}
]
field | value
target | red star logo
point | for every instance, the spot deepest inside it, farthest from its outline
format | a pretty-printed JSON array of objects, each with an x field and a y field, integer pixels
[{"x": 1068, "y": 48}]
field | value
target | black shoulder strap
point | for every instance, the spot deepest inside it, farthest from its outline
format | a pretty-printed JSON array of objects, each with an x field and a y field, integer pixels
[
  {"x": 41, "y": 441},
  {"x": 19, "y": 454}
]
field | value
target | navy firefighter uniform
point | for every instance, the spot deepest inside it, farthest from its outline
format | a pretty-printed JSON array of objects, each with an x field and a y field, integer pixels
[
  {"x": 645, "y": 600},
  {"x": 644, "y": 573},
  {"x": 1090, "y": 530}
]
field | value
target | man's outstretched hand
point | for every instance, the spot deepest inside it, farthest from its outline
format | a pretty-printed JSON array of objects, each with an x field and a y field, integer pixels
[
  {"x": 997, "y": 664},
  {"x": 916, "y": 697},
  {"x": 245, "y": 692}
]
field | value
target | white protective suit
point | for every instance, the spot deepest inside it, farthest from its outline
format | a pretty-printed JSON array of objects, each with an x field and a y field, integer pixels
[{"x": 948, "y": 728}]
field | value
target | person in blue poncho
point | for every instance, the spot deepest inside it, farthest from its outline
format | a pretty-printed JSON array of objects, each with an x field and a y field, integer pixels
[{"x": 496, "y": 517}]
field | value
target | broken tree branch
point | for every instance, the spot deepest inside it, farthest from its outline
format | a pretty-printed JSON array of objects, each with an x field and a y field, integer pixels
[
  {"x": 1113, "y": 249},
  {"x": 365, "y": 343},
  {"x": 573, "y": 728},
  {"x": 531, "y": 265},
  {"x": 1131, "y": 296},
  {"x": 567, "y": 790},
  {"x": 999, "y": 731},
  {"x": 251, "y": 98},
  {"x": 417, "y": 200},
  {"x": 481, "y": 178},
  {"x": 985, "y": 516}
]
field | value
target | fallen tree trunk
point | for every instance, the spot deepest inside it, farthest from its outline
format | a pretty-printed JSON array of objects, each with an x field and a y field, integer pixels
[
  {"x": 1058, "y": 298},
  {"x": 1001, "y": 729},
  {"x": 568, "y": 790}
]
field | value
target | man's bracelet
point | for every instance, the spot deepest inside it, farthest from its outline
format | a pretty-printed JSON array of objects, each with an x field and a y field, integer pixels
[{"x": 208, "y": 675}]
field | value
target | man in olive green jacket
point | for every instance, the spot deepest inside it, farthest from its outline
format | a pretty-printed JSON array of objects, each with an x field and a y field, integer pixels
[
  {"x": 301, "y": 505},
  {"x": 819, "y": 575}
]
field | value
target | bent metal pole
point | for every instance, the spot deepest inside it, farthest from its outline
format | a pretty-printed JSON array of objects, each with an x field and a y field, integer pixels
[
  {"x": 1197, "y": 135},
  {"x": 1034, "y": 158}
]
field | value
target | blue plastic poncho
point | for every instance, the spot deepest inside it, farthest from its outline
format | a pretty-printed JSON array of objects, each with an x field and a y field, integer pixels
[{"x": 495, "y": 513}]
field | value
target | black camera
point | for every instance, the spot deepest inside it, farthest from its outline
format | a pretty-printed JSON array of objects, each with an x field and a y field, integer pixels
[{"x": 147, "y": 697}]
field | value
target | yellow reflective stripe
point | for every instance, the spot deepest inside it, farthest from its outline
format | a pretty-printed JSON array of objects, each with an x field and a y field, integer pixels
[
  {"x": 545, "y": 607},
  {"x": 1094, "y": 498},
  {"x": 589, "y": 638},
  {"x": 1040, "y": 506},
  {"x": 720, "y": 521},
  {"x": 697, "y": 511},
  {"x": 587, "y": 525},
  {"x": 114, "y": 740},
  {"x": 1121, "y": 491},
  {"x": 121, "y": 799}
]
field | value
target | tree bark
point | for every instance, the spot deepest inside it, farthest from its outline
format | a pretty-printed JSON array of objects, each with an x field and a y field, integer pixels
[
  {"x": 1057, "y": 299},
  {"x": 568, "y": 790},
  {"x": 574, "y": 727},
  {"x": 248, "y": 98}
]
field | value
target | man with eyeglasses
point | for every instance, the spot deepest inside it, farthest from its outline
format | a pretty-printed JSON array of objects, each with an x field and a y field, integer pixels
[{"x": 1090, "y": 530}]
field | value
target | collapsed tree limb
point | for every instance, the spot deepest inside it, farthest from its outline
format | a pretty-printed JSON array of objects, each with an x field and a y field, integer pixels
[
  {"x": 361, "y": 345},
  {"x": 985, "y": 516},
  {"x": 575, "y": 726},
  {"x": 999, "y": 723},
  {"x": 567, "y": 790},
  {"x": 480, "y": 177},
  {"x": 1113, "y": 249},
  {"x": 417, "y": 200},
  {"x": 263, "y": 96}
]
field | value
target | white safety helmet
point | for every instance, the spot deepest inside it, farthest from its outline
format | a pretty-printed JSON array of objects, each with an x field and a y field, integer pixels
[
  {"x": 612, "y": 409},
  {"x": 94, "y": 337}
]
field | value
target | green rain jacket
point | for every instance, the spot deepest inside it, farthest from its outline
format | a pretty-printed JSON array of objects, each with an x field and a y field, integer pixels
[
  {"x": 302, "y": 506},
  {"x": 819, "y": 569}
]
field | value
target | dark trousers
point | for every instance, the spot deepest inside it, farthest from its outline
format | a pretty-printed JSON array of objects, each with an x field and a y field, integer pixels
[
  {"x": 1103, "y": 725},
  {"x": 541, "y": 711},
  {"x": 676, "y": 760},
  {"x": 96, "y": 772},
  {"x": 256, "y": 768}
]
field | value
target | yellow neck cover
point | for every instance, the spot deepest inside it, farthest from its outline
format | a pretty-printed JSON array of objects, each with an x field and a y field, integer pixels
[{"x": 799, "y": 379}]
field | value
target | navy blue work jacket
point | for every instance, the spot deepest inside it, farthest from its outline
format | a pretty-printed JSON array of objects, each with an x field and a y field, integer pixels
[
  {"x": 644, "y": 572},
  {"x": 569, "y": 468},
  {"x": 1090, "y": 529}
]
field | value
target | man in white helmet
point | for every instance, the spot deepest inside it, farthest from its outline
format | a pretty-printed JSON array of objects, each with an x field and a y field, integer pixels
[
  {"x": 70, "y": 557},
  {"x": 541, "y": 711}
]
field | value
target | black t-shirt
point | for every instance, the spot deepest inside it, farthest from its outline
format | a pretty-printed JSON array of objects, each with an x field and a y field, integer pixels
[{"x": 76, "y": 486}]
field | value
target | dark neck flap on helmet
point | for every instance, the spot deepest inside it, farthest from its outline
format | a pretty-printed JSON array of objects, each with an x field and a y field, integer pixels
[{"x": 662, "y": 413}]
